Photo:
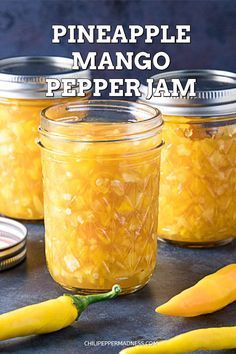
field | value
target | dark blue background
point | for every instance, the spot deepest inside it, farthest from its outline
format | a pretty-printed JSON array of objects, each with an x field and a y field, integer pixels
[{"x": 25, "y": 29}]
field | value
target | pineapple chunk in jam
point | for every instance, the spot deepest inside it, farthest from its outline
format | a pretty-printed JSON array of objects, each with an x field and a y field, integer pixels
[
  {"x": 21, "y": 194},
  {"x": 198, "y": 182}
]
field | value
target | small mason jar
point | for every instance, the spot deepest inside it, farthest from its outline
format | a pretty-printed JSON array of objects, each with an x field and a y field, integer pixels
[
  {"x": 22, "y": 97},
  {"x": 101, "y": 177},
  {"x": 198, "y": 164}
]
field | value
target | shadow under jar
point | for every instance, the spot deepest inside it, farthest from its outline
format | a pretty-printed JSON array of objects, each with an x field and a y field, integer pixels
[
  {"x": 101, "y": 165},
  {"x": 197, "y": 201},
  {"x": 23, "y": 90}
]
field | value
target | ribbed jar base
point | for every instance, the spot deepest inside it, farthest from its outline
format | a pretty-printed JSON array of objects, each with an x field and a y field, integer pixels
[{"x": 125, "y": 291}]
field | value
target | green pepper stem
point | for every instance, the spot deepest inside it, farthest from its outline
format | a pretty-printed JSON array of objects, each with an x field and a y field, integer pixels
[{"x": 81, "y": 302}]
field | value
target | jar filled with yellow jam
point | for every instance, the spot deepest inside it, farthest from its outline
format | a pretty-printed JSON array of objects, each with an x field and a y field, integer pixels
[
  {"x": 101, "y": 182},
  {"x": 198, "y": 164},
  {"x": 22, "y": 97}
]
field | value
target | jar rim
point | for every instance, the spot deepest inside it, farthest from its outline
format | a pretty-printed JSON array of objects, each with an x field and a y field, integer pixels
[{"x": 60, "y": 124}]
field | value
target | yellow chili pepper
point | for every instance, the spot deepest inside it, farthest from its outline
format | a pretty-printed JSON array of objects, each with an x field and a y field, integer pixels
[
  {"x": 200, "y": 339},
  {"x": 49, "y": 316},
  {"x": 210, "y": 294}
]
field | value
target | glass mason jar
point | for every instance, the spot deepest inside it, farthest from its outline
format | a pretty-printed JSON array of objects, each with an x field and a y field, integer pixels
[
  {"x": 101, "y": 177},
  {"x": 22, "y": 98},
  {"x": 198, "y": 164}
]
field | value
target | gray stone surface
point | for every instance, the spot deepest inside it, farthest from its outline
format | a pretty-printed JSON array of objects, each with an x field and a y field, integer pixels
[{"x": 128, "y": 318}]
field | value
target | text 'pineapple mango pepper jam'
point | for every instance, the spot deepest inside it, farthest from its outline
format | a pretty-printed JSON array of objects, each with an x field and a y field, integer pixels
[
  {"x": 101, "y": 164},
  {"x": 22, "y": 97},
  {"x": 197, "y": 203}
]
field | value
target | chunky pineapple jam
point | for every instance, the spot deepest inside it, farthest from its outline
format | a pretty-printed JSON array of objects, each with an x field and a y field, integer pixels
[
  {"x": 21, "y": 194},
  {"x": 101, "y": 173},
  {"x": 23, "y": 92},
  {"x": 198, "y": 181}
]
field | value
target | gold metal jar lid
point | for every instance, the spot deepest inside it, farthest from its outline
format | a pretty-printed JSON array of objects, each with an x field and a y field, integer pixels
[{"x": 13, "y": 237}]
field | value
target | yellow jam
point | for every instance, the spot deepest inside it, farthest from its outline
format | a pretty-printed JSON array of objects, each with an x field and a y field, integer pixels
[
  {"x": 101, "y": 207},
  {"x": 198, "y": 181},
  {"x": 21, "y": 194}
]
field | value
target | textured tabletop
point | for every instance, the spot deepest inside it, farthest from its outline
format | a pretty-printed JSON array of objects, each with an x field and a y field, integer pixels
[{"x": 129, "y": 318}]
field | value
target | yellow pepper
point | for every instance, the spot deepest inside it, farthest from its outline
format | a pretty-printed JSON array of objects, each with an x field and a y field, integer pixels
[
  {"x": 200, "y": 339},
  {"x": 210, "y": 294},
  {"x": 49, "y": 316}
]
